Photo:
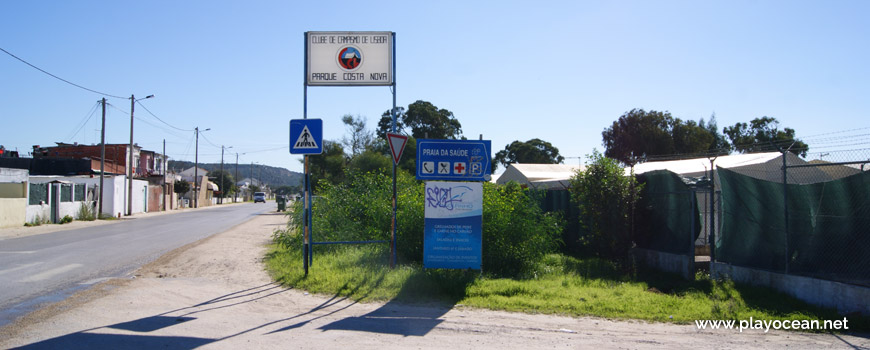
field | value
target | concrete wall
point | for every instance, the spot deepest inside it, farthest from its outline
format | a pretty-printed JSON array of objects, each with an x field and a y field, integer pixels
[
  {"x": 113, "y": 195},
  {"x": 12, "y": 212},
  {"x": 683, "y": 265},
  {"x": 845, "y": 298},
  {"x": 8, "y": 175}
]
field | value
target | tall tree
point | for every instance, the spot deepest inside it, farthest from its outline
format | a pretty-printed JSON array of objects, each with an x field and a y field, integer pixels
[
  {"x": 638, "y": 135},
  {"x": 328, "y": 165},
  {"x": 534, "y": 151},
  {"x": 690, "y": 138},
  {"x": 359, "y": 139},
  {"x": 225, "y": 183},
  {"x": 425, "y": 120},
  {"x": 763, "y": 135},
  {"x": 720, "y": 145}
]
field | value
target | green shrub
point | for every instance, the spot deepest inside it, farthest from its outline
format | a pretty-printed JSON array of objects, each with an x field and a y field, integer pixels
[
  {"x": 86, "y": 212},
  {"x": 516, "y": 233},
  {"x": 38, "y": 220},
  {"x": 66, "y": 219},
  {"x": 606, "y": 198}
]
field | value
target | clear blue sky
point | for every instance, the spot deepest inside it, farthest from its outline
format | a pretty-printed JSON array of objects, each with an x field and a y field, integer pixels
[{"x": 559, "y": 71}]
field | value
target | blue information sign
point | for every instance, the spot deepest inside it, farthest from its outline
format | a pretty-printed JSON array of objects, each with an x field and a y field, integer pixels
[
  {"x": 453, "y": 225},
  {"x": 306, "y": 136},
  {"x": 454, "y": 160}
]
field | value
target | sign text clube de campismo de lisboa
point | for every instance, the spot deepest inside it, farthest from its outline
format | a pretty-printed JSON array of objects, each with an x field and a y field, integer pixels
[{"x": 349, "y": 58}]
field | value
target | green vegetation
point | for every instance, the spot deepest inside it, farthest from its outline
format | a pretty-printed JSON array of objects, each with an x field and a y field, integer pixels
[
  {"x": 86, "y": 212},
  {"x": 516, "y": 233},
  {"x": 557, "y": 285},
  {"x": 38, "y": 220},
  {"x": 606, "y": 198},
  {"x": 66, "y": 219}
]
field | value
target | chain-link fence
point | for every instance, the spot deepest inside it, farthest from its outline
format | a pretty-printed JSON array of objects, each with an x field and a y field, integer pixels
[
  {"x": 815, "y": 222},
  {"x": 667, "y": 216}
]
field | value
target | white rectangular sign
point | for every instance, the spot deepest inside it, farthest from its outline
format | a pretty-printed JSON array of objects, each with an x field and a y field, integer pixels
[{"x": 349, "y": 58}]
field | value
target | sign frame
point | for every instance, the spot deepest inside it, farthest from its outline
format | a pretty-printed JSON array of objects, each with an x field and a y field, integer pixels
[
  {"x": 314, "y": 128},
  {"x": 373, "y": 53}
]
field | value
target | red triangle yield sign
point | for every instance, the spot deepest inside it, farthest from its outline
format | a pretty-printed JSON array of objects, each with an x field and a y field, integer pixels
[{"x": 397, "y": 145}]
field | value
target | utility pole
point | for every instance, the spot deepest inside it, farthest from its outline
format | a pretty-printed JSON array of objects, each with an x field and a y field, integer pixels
[
  {"x": 130, "y": 178},
  {"x": 196, "y": 172},
  {"x": 252, "y": 179},
  {"x": 102, "y": 157},
  {"x": 236, "y": 177},
  {"x": 164, "y": 175},
  {"x": 222, "y": 175}
]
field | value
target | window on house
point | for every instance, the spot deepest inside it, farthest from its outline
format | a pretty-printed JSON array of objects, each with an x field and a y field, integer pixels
[
  {"x": 66, "y": 192},
  {"x": 38, "y": 192},
  {"x": 79, "y": 195}
]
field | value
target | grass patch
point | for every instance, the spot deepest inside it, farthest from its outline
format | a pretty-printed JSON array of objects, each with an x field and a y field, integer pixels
[{"x": 559, "y": 285}]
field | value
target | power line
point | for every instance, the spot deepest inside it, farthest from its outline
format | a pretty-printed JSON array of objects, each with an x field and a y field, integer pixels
[
  {"x": 85, "y": 122},
  {"x": 161, "y": 120},
  {"x": 59, "y": 78}
]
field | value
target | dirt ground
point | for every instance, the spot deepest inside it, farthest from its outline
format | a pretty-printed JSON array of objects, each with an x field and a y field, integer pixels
[{"x": 215, "y": 294}]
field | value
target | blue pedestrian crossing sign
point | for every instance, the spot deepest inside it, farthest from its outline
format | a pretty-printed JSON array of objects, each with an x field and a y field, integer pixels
[{"x": 306, "y": 136}]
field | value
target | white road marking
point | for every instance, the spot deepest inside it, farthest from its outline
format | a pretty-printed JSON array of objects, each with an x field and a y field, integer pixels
[
  {"x": 51, "y": 273},
  {"x": 2, "y": 272},
  {"x": 20, "y": 252}
]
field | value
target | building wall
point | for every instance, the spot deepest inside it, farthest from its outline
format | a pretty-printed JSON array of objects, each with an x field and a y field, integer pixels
[
  {"x": 12, "y": 212},
  {"x": 114, "y": 202}
]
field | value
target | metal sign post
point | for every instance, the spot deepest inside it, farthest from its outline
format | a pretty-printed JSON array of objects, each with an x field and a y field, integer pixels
[{"x": 346, "y": 59}]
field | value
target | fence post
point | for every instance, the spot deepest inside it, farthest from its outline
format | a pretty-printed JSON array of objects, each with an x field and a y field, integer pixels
[{"x": 785, "y": 204}]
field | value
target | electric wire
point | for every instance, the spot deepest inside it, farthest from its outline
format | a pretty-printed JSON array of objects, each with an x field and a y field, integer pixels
[
  {"x": 59, "y": 78},
  {"x": 83, "y": 123},
  {"x": 161, "y": 120}
]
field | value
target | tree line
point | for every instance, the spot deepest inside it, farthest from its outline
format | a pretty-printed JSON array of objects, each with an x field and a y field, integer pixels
[{"x": 636, "y": 136}]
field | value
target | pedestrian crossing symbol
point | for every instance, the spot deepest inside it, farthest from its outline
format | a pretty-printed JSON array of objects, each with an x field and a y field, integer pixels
[
  {"x": 305, "y": 140},
  {"x": 306, "y": 136}
]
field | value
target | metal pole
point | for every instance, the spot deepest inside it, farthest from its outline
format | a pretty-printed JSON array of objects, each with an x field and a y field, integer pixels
[
  {"x": 712, "y": 235},
  {"x": 305, "y": 237},
  {"x": 307, "y": 248},
  {"x": 196, "y": 171},
  {"x": 236, "y": 178},
  {"x": 221, "y": 198},
  {"x": 393, "y": 241},
  {"x": 164, "y": 175},
  {"x": 785, "y": 203},
  {"x": 102, "y": 157},
  {"x": 130, "y": 179}
]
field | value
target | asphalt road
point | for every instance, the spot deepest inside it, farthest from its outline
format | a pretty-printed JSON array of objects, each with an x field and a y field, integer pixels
[{"x": 49, "y": 267}]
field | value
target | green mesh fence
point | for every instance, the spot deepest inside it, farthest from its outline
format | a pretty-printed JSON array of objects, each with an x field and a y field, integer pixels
[
  {"x": 667, "y": 218},
  {"x": 826, "y": 235}
]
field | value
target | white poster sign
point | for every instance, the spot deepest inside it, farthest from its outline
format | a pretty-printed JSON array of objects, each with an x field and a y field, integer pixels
[{"x": 349, "y": 58}]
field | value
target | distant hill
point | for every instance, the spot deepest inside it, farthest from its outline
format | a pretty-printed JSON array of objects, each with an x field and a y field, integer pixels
[{"x": 273, "y": 176}]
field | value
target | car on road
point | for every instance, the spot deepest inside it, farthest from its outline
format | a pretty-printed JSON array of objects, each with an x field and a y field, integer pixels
[{"x": 259, "y": 197}]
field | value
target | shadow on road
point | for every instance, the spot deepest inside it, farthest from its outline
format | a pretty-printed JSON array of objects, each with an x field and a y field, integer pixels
[{"x": 91, "y": 339}]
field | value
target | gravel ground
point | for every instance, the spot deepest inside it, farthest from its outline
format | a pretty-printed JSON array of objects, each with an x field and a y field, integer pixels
[{"x": 215, "y": 294}]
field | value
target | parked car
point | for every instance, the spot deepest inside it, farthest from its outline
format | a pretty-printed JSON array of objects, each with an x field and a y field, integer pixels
[{"x": 259, "y": 197}]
